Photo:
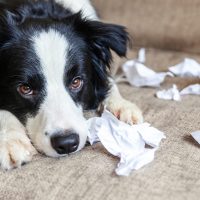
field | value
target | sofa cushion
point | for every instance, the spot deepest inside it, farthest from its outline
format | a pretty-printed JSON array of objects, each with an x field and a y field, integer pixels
[{"x": 164, "y": 24}]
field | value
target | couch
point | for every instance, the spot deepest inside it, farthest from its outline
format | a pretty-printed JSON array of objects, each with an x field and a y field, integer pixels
[{"x": 170, "y": 31}]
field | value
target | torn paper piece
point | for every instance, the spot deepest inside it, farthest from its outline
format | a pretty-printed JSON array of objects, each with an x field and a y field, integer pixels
[
  {"x": 169, "y": 94},
  {"x": 125, "y": 166},
  {"x": 196, "y": 136},
  {"x": 187, "y": 68},
  {"x": 142, "y": 55},
  {"x": 191, "y": 89},
  {"x": 139, "y": 75},
  {"x": 174, "y": 94},
  {"x": 125, "y": 141}
]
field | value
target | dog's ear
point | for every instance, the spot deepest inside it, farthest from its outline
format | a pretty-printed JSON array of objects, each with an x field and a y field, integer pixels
[
  {"x": 106, "y": 37},
  {"x": 103, "y": 37}
]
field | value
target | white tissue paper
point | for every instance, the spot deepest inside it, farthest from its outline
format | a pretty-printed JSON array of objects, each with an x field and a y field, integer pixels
[
  {"x": 125, "y": 141},
  {"x": 191, "y": 89},
  {"x": 169, "y": 94},
  {"x": 187, "y": 68},
  {"x": 196, "y": 136},
  {"x": 174, "y": 94},
  {"x": 142, "y": 55},
  {"x": 137, "y": 74}
]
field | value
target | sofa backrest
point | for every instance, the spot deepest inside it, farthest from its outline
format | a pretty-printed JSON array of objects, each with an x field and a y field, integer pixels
[{"x": 168, "y": 24}]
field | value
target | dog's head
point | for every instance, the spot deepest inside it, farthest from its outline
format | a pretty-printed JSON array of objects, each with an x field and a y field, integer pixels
[{"x": 54, "y": 65}]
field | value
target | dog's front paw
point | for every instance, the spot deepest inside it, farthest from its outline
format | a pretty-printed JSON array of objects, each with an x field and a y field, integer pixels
[
  {"x": 15, "y": 150},
  {"x": 125, "y": 111}
]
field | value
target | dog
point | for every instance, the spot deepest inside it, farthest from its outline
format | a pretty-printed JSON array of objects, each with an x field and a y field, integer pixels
[{"x": 54, "y": 65}]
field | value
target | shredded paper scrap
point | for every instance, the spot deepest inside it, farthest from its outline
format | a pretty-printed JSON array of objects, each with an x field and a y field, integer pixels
[
  {"x": 196, "y": 136},
  {"x": 139, "y": 75},
  {"x": 125, "y": 141},
  {"x": 187, "y": 68},
  {"x": 174, "y": 94}
]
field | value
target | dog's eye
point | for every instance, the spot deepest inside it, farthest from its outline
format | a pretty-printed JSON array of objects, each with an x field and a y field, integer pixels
[
  {"x": 76, "y": 83},
  {"x": 25, "y": 89}
]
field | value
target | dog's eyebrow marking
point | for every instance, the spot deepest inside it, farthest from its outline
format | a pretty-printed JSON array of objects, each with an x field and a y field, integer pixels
[{"x": 51, "y": 47}]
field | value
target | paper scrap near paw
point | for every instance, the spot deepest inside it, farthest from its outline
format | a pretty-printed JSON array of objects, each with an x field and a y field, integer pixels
[
  {"x": 187, "y": 68},
  {"x": 174, "y": 94},
  {"x": 137, "y": 74},
  {"x": 169, "y": 94},
  {"x": 196, "y": 136},
  {"x": 125, "y": 141}
]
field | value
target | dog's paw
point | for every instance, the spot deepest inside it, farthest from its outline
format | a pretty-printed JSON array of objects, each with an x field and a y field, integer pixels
[
  {"x": 15, "y": 150},
  {"x": 125, "y": 111}
]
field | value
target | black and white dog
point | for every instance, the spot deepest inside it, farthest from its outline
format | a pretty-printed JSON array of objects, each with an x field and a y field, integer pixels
[{"x": 54, "y": 65}]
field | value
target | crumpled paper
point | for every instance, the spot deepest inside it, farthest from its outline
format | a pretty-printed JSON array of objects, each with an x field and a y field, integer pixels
[
  {"x": 191, "y": 89},
  {"x": 174, "y": 94},
  {"x": 169, "y": 94},
  {"x": 125, "y": 141},
  {"x": 187, "y": 68},
  {"x": 137, "y": 74},
  {"x": 196, "y": 136},
  {"x": 142, "y": 55}
]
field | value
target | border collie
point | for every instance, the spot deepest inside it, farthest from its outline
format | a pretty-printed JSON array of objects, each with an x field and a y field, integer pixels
[{"x": 54, "y": 65}]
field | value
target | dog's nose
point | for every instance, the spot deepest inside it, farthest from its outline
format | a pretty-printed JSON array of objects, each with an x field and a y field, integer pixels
[{"x": 65, "y": 144}]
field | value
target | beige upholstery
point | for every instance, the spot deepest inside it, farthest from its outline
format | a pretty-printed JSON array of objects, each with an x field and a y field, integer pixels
[{"x": 164, "y": 24}]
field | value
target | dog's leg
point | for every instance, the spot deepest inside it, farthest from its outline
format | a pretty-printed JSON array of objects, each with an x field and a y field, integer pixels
[
  {"x": 124, "y": 110},
  {"x": 15, "y": 147}
]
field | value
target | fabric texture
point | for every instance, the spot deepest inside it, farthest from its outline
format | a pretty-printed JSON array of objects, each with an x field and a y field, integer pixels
[
  {"x": 165, "y": 24},
  {"x": 175, "y": 172}
]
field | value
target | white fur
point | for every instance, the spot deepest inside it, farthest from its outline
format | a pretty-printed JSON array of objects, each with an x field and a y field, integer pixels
[
  {"x": 15, "y": 147},
  {"x": 58, "y": 112},
  {"x": 80, "y": 5}
]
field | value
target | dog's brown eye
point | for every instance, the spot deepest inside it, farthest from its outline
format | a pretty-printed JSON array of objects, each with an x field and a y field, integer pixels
[
  {"x": 76, "y": 83},
  {"x": 25, "y": 90}
]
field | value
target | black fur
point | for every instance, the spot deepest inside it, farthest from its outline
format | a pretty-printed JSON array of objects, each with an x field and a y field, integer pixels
[{"x": 90, "y": 57}]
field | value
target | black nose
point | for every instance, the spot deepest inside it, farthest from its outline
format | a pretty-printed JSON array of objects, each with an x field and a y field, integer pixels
[{"x": 65, "y": 144}]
